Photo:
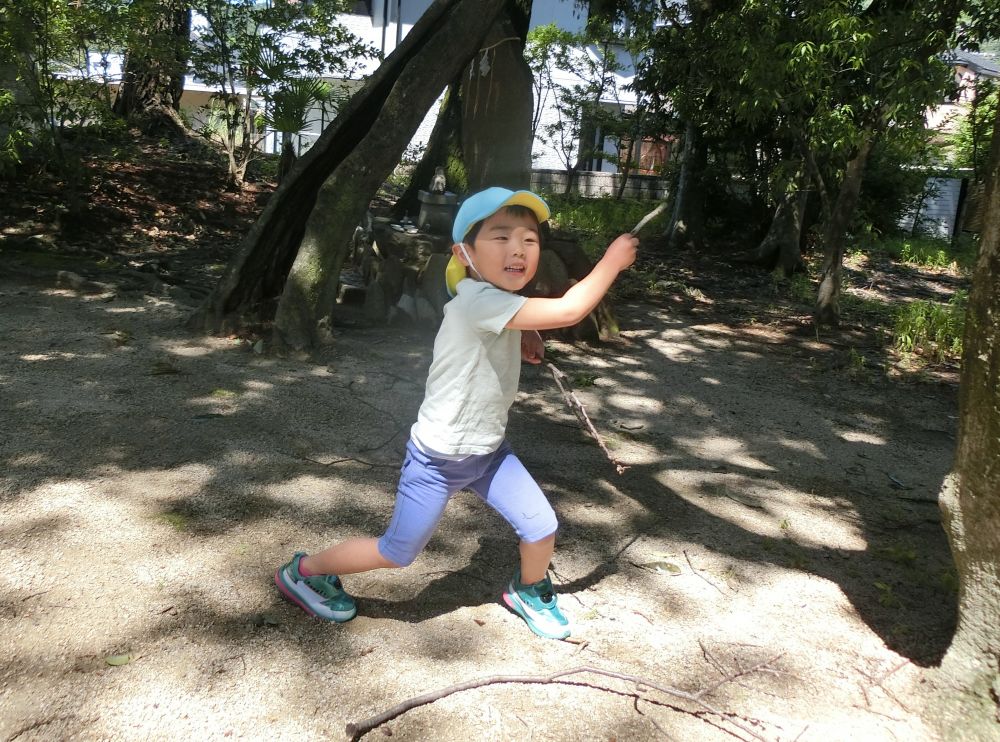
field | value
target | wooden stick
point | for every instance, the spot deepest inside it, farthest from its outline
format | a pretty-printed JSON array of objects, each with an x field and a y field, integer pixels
[
  {"x": 649, "y": 217},
  {"x": 576, "y": 405},
  {"x": 358, "y": 729}
]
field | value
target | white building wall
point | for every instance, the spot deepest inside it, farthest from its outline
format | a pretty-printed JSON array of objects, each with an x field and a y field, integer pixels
[{"x": 568, "y": 15}]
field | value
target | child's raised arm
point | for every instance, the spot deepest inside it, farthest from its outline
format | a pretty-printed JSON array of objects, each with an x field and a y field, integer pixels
[{"x": 582, "y": 297}]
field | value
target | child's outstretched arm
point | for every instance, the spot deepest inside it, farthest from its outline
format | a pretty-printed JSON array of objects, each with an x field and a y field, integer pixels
[{"x": 582, "y": 297}]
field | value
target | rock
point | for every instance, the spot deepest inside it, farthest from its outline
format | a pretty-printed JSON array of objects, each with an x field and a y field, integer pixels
[
  {"x": 375, "y": 305},
  {"x": 391, "y": 277},
  {"x": 426, "y": 313},
  {"x": 407, "y": 303},
  {"x": 432, "y": 284},
  {"x": 551, "y": 278},
  {"x": 68, "y": 279}
]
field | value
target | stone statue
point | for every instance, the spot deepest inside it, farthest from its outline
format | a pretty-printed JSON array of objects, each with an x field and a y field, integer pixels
[{"x": 438, "y": 182}]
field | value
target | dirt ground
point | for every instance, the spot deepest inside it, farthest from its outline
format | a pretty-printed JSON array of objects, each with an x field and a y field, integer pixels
[{"x": 774, "y": 545}]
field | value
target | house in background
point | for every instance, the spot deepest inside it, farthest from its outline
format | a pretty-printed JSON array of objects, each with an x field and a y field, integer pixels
[
  {"x": 951, "y": 204},
  {"x": 383, "y": 24}
]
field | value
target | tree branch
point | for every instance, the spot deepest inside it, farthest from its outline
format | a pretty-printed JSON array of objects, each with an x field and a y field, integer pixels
[
  {"x": 355, "y": 730},
  {"x": 576, "y": 405}
]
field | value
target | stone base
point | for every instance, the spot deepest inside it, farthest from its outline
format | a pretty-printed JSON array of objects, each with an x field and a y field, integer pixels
[{"x": 437, "y": 211}]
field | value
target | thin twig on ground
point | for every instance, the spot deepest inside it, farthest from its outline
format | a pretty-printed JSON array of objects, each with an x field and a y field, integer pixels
[
  {"x": 701, "y": 575},
  {"x": 355, "y": 730},
  {"x": 574, "y": 403}
]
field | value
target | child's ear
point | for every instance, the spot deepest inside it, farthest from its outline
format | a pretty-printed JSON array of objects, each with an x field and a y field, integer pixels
[{"x": 459, "y": 254}]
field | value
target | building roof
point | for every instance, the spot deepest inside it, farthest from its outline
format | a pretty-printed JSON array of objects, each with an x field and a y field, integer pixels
[{"x": 984, "y": 65}]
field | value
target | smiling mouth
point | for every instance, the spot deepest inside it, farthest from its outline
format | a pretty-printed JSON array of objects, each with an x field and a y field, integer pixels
[{"x": 514, "y": 269}]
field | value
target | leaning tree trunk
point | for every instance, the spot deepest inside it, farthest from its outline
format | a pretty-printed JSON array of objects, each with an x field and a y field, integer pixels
[
  {"x": 153, "y": 78},
  {"x": 289, "y": 264},
  {"x": 827, "y": 309},
  {"x": 497, "y": 105},
  {"x": 781, "y": 246},
  {"x": 970, "y": 498}
]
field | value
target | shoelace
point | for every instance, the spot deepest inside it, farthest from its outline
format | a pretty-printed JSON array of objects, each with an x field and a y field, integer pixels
[{"x": 325, "y": 582}]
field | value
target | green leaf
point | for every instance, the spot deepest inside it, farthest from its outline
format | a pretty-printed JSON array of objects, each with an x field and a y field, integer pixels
[{"x": 661, "y": 567}]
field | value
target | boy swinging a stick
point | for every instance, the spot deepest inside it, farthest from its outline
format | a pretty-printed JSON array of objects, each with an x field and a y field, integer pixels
[{"x": 458, "y": 441}]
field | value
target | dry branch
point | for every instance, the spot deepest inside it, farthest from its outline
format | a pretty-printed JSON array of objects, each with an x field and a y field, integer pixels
[
  {"x": 355, "y": 730},
  {"x": 574, "y": 403},
  {"x": 649, "y": 217}
]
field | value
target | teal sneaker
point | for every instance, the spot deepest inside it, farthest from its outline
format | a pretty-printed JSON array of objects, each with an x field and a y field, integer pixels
[
  {"x": 321, "y": 596},
  {"x": 536, "y": 604}
]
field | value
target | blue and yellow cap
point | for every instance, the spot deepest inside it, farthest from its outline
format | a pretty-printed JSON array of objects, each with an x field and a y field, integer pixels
[{"x": 481, "y": 206}]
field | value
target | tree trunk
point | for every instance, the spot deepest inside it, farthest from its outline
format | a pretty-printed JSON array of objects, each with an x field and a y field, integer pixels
[
  {"x": 288, "y": 157},
  {"x": 289, "y": 264},
  {"x": 970, "y": 498},
  {"x": 443, "y": 150},
  {"x": 781, "y": 246},
  {"x": 687, "y": 224},
  {"x": 153, "y": 78},
  {"x": 497, "y": 105},
  {"x": 827, "y": 309}
]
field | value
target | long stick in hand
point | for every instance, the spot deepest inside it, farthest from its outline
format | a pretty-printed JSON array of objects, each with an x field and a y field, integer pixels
[
  {"x": 576, "y": 405},
  {"x": 649, "y": 217}
]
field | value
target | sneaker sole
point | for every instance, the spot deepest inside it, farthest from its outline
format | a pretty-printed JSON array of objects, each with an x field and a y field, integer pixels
[
  {"x": 515, "y": 606},
  {"x": 334, "y": 617}
]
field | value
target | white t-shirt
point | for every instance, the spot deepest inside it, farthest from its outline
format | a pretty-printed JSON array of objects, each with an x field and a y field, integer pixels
[{"x": 473, "y": 377}]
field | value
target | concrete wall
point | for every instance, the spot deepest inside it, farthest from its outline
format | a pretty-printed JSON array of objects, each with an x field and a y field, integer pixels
[{"x": 594, "y": 184}]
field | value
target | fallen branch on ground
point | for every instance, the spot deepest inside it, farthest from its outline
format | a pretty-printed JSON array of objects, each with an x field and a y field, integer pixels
[
  {"x": 355, "y": 730},
  {"x": 574, "y": 403}
]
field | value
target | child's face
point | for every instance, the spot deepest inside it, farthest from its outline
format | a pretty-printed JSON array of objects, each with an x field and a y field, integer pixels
[{"x": 505, "y": 252}]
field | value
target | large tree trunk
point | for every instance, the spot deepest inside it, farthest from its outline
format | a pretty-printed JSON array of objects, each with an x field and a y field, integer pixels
[
  {"x": 687, "y": 224},
  {"x": 497, "y": 105},
  {"x": 781, "y": 246},
  {"x": 293, "y": 253},
  {"x": 827, "y": 309},
  {"x": 153, "y": 78},
  {"x": 970, "y": 498},
  {"x": 443, "y": 150}
]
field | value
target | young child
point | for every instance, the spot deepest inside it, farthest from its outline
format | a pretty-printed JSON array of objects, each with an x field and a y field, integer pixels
[{"x": 458, "y": 440}]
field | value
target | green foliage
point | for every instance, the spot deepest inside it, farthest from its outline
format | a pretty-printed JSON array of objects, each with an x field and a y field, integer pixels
[
  {"x": 49, "y": 46},
  {"x": 599, "y": 220},
  {"x": 895, "y": 178},
  {"x": 928, "y": 252},
  {"x": 15, "y": 135},
  {"x": 970, "y": 144},
  {"x": 930, "y": 328},
  {"x": 554, "y": 56},
  {"x": 244, "y": 45}
]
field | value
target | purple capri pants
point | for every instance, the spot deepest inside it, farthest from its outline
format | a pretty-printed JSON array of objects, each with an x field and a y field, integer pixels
[{"x": 427, "y": 483}]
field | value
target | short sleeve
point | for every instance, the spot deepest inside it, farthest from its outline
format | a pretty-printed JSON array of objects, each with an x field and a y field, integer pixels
[{"x": 485, "y": 306}]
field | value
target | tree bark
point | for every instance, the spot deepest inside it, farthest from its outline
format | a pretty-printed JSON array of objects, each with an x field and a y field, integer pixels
[
  {"x": 153, "y": 77},
  {"x": 497, "y": 105},
  {"x": 443, "y": 150},
  {"x": 970, "y": 497},
  {"x": 827, "y": 309},
  {"x": 781, "y": 246},
  {"x": 289, "y": 263},
  {"x": 687, "y": 225}
]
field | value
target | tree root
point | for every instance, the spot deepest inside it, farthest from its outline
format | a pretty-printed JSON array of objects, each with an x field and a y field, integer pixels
[{"x": 356, "y": 730}]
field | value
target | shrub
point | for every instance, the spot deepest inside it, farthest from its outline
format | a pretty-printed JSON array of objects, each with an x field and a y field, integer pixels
[
  {"x": 931, "y": 328},
  {"x": 600, "y": 220},
  {"x": 928, "y": 252}
]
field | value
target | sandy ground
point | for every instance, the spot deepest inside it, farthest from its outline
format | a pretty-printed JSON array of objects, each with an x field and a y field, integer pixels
[{"x": 774, "y": 543}]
